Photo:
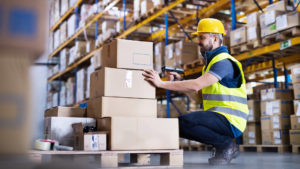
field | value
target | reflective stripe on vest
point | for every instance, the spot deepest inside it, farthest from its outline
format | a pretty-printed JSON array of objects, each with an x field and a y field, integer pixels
[
  {"x": 230, "y": 111},
  {"x": 223, "y": 97}
]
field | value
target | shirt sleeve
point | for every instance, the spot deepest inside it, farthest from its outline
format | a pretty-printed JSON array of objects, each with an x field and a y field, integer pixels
[{"x": 222, "y": 69}]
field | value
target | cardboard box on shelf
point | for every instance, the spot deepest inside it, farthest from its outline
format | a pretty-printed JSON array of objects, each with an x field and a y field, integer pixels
[
  {"x": 274, "y": 107},
  {"x": 275, "y": 122},
  {"x": 126, "y": 107},
  {"x": 140, "y": 133},
  {"x": 70, "y": 90},
  {"x": 56, "y": 38},
  {"x": 65, "y": 112},
  {"x": 91, "y": 141},
  {"x": 60, "y": 128},
  {"x": 281, "y": 6},
  {"x": 80, "y": 49},
  {"x": 120, "y": 83},
  {"x": 275, "y": 94},
  {"x": 107, "y": 25},
  {"x": 63, "y": 32},
  {"x": 238, "y": 36},
  {"x": 295, "y": 78},
  {"x": 136, "y": 9},
  {"x": 96, "y": 59},
  {"x": 297, "y": 107},
  {"x": 90, "y": 46},
  {"x": 158, "y": 2},
  {"x": 268, "y": 22},
  {"x": 159, "y": 53},
  {"x": 64, "y": 6},
  {"x": 277, "y": 137},
  {"x": 295, "y": 137},
  {"x": 296, "y": 87},
  {"x": 146, "y": 6},
  {"x": 253, "y": 19},
  {"x": 128, "y": 54},
  {"x": 288, "y": 20},
  {"x": 253, "y": 133},
  {"x": 253, "y": 33},
  {"x": 64, "y": 59},
  {"x": 254, "y": 110},
  {"x": 63, "y": 95},
  {"x": 71, "y": 25},
  {"x": 295, "y": 69},
  {"x": 55, "y": 99},
  {"x": 170, "y": 59},
  {"x": 295, "y": 122},
  {"x": 56, "y": 10},
  {"x": 89, "y": 72},
  {"x": 81, "y": 85},
  {"x": 186, "y": 52}
]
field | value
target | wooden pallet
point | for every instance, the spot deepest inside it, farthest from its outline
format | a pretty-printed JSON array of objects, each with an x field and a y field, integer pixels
[
  {"x": 193, "y": 64},
  {"x": 265, "y": 148},
  {"x": 234, "y": 50},
  {"x": 281, "y": 36},
  {"x": 296, "y": 148},
  {"x": 114, "y": 159}
]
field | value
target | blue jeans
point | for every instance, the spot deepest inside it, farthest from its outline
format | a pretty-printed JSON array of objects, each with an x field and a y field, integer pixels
[{"x": 206, "y": 127}]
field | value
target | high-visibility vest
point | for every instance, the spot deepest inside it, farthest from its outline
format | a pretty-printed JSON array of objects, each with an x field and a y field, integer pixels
[{"x": 230, "y": 102}]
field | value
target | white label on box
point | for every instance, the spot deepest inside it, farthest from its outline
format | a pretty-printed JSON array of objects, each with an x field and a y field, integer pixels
[
  {"x": 275, "y": 107},
  {"x": 269, "y": 108},
  {"x": 281, "y": 22},
  {"x": 251, "y": 141},
  {"x": 270, "y": 17},
  {"x": 270, "y": 95},
  {"x": 128, "y": 79},
  {"x": 276, "y": 119},
  {"x": 277, "y": 141},
  {"x": 251, "y": 134},
  {"x": 170, "y": 56},
  {"x": 276, "y": 134},
  {"x": 252, "y": 33},
  {"x": 139, "y": 59},
  {"x": 237, "y": 36},
  {"x": 250, "y": 118}
]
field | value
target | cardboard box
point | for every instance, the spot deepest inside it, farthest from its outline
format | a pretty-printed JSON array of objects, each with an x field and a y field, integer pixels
[
  {"x": 268, "y": 22},
  {"x": 70, "y": 90},
  {"x": 277, "y": 137},
  {"x": 56, "y": 38},
  {"x": 63, "y": 32},
  {"x": 146, "y": 6},
  {"x": 170, "y": 59},
  {"x": 23, "y": 26},
  {"x": 295, "y": 69},
  {"x": 275, "y": 122},
  {"x": 140, "y": 133},
  {"x": 253, "y": 33},
  {"x": 254, "y": 110},
  {"x": 120, "y": 83},
  {"x": 81, "y": 85},
  {"x": 295, "y": 122},
  {"x": 280, "y": 6},
  {"x": 60, "y": 128},
  {"x": 159, "y": 53},
  {"x": 275, "y": 94},
  {"x": 136, "y": 9},
  {"x": 158, "y": 2},
  {"x": 117, "y": 106},
  {"x": 63, "y": 95},
  {"x": 297, "y": 107},
  {"x": 65, "y": 112},
  {"x": 162, "y": 109},
  {"x": 96, "y": 59},
  {"x": 91, "y": 141},
  {"x": 71, "y": 25},
  {"x": 15, "y": 104},
  {"x": 278, "y": 107},
  {"x": 64, "y": 59},
  {"x": 295, "y": 137},
  {"x": 128, "y": 54},
  {"x": 253, "y": 19},
  {"x": 238, "y": 36},
  {"x": 186, "y": 52},
  {"x": 80, "y": 49},
  {"x": 252, "y": 135},
  {"x": 296, "y": 87},
  {"x": 295, "y": 78},
  {"x": 64, "y": 6},
  {"x": 90, "y": 70},
  {"x": 107, "y": 25},
  {"x": 286, "y": 21}
]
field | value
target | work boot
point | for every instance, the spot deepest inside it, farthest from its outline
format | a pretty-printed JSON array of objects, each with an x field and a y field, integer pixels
[{"x": 222, "y": 156}]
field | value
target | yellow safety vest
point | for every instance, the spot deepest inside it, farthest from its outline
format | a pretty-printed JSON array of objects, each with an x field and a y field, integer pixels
[{"x": 230, "y": 102}]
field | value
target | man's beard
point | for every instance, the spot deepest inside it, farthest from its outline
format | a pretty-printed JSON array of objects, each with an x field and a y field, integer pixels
[{"x": 206, "y": 48}]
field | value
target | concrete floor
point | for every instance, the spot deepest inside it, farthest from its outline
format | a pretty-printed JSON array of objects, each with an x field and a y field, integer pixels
[{"x": 251, "y": 160}]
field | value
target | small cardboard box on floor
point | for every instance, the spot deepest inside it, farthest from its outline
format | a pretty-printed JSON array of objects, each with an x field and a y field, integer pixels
[
  {"x": 140, "y": 133},
  {"x": 120, "y": 83},
  {"x": 277, "y": 137},
  {"x": 252, "y": 134},
  {"x": 117, "y": 106},
  {"x": 65, "y": 112},
  {"x": 91, "y": 141},
  {"x": 295, "y": 137},
  {"x": 128, "y": 54}
]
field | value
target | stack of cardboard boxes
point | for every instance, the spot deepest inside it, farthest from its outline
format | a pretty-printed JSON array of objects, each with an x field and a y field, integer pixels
[
  {"x": 276, "y": 108},
  {"x": 295, "y": 118},
  {"x": 141, "y": 7},
  {"x": 252, "y": 134},
  {"x": 124, "y": 103}
]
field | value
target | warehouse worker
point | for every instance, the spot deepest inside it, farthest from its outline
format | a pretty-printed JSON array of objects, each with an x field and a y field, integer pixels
[{"x": 224, "y": 95}]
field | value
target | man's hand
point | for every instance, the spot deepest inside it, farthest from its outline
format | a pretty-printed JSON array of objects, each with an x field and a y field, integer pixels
[
  {"x": 152, "y": 77},
  {"x": 171, "y": 76}
]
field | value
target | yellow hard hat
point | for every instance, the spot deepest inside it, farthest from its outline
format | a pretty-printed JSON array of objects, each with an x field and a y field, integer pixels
[{"x": 210, "y": 25}]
